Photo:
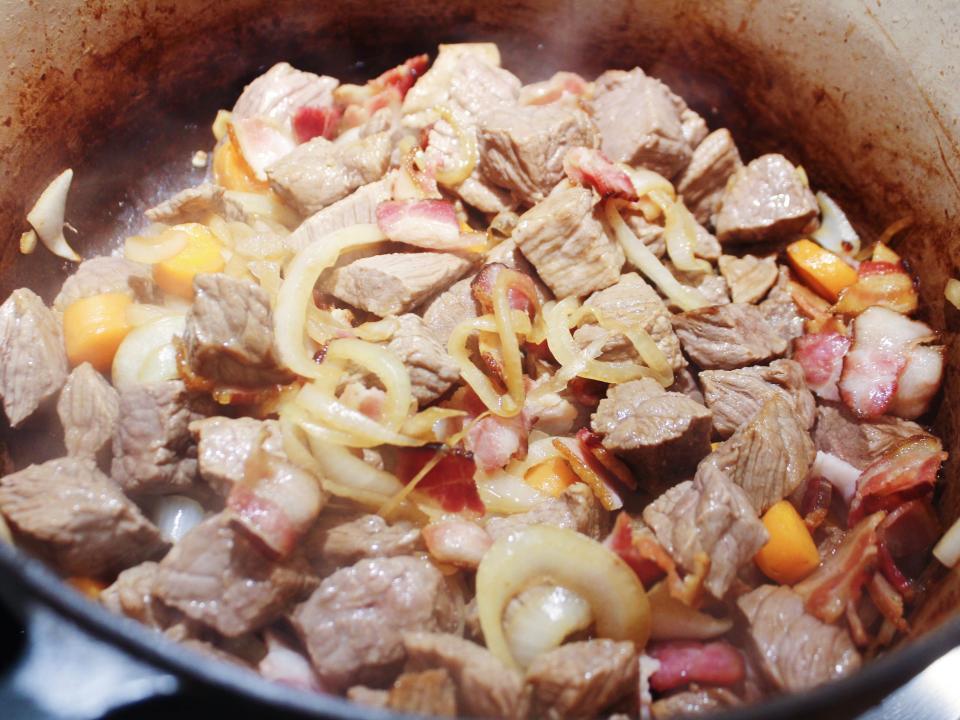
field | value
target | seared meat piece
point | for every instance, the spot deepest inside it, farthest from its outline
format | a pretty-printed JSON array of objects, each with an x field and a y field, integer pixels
[
  {"x": 713, "y": 287},
  {"x": 581, "y": 679},
  {"x": 691, "y": 703},
  {"x": 766, "y": 200},
  {"x": 632, "y": 302},
  {"x": 220, "y": 577},
  {"x": 339, "y": 540},
  {"x": 769, "y": 456},
  {"x": 735, "y": 396},
  {"x": 485, "y": 686},
  {"x": 88, "y": 408},
  {"x": 794, "y": 650},
  {"x": 749, "y": 277},
  {"x": 319, "y": 172},
  {"x": 153, "y": 452},
  {"x": 430, "y": 693},
  {"x": 708, "y": 515},
  {"x": 859, "y": 442},
  {"x": 359, "y": 207},
  {"x": 432, "y": 370},
  {"x": 522, "y": 148},
  {"x": 353, "y": 623},
  {"x": 225, "y": 444},
  {"x": 229, "y": 333},
  {"x": 576, "y": 509},
  {"x": 780, "y": 311},
  {"x": 450, "y": 308},
  {"x": 564, "y": 240},
  {"x": 33, "y": 363},
  {"x": 661, "y": 434},
  {"x": 702, "y": 183},
  {"x": 75, "y": 516},
  {"x": 642, "y": 123},
  {"x": 727, "y": 337},
  {"x": 131, "y": 594},
  {"x": 107, "y": 274},
  {"x": 190, "y": 205},
  {"x": 396, "y": 283},
  {"x": 370, "y": 697},
  {"x": 282, "y": 89}
]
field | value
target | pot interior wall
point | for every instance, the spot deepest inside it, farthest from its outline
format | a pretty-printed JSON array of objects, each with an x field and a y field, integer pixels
[{"x": 124, "y": 92}]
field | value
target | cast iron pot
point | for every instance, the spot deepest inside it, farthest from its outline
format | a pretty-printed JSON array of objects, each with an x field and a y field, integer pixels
[{"x": 862, "y": 94}]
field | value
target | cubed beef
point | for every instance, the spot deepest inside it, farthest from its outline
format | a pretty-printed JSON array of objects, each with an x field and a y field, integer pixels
[
  {"x": 338, "y": 540},
  {"x": 368, "y": 697},
  {"x": 224, "y": 445},
  {"x": 107, "y": 274},
  {"x": 432, "y": 370},
  {"x": 693, "y": 703},
  {"x": 633, "y": 303},
  {"x": 229, "y": 333},
  {"x": 33, "y": 363},
  {"x": 281, "y": 90},
  {"x": 749, "y": 277},
  {"x": 395, "y": 283},
  {"x": 702, "y": 183},
  {"x": 565, "y": 242},
  {"x": 727, "y": 337},
  {"x": 131, "y": 594},
  {"x": 88, "y": 408},
  {"x": 576, "y": 509},
  {"x": 766, "y": 200},
  {"x": 522, "y": 148},
  {"x": 430, "y": 693},
  {"x": 220, "y": 577},
  {"x": 319, "y": 172},
  {"x": 153, "y": 452},
  {"x": 353, "y": 623},
  {"x": 448, "y": 309},
  {"x": 735, "y": 396},
  {"x": 769, "y": 456},
  {"x": 581, "y": 679},
  {"x": 661, "y": 434},
  {"x": 859, "y": 442},
  {"x": 193, "y": 204},
  {"x": 794, "y": 650},
  {"x": 485, "y": 686},
  {"x": 72, "y": 514},
  {"x": 709, "y": 515},
  {"x": 779, "y": 309}
]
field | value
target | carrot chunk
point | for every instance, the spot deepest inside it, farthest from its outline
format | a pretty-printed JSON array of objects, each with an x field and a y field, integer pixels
[
  {"x": 551, "y": 477},
  {"x": 93, "y": 328},
  {"x": 820, "y": 269},
  {"x": 201, "y": 255},
  {"x": 790, "y": 554}
]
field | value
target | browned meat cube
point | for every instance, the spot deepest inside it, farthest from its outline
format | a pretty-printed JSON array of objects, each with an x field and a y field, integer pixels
[
  {"x": 765, "y": 200},
  {"x": 88, "y": 408},
  {"x": 338, "y": 540},
  {"x": 693, "y": 703},
  {"x": 229, "y": 333},
  {"x": 859, "y": 442},
  {"x": 432, "y": 370},
  {"x": 190, "y": 205},
  {"x": 318, "y": 172},
  {"x": 220, "y": 577},
  {"x": 794, "y": 650},
  {"x": 702, "y": 183},
  {"x": 769, "y": 456},
  {"x": 565, "y": 242},
  {"x": 430, "y": 693},
  {"x": 225, "y": 444},
  {"x": 485, "y": 686},
  {"x": 353, "y": 623},
  {"x": 33, "y": 362},
  {"x": 278, "y": 92},
  {"x": 735, "y": 396},
  {"x": 522, "y": 148},
  {"x": 576, "y": 509},
  {"x": 395, "y": 283},
  {"x": 780, "y": 311},
  {"x": 450, "y": 308},
  {"x": 581, "y": 679},
  {"x": 72, "y": 514},
  {"x": 727, "y": 337},
  {"x": 663, "y": 435},
  {"x": 107, "y": 274},
  {"x": 131, "y": 594},
  {"x": 708, "y": 515},
  {"x": 749, "y": 277}
]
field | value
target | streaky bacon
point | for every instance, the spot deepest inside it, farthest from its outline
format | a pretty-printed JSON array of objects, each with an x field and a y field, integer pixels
[
  {"x": 310, "y": 122},
  {"x": 430, "y": 224},
  {"x": 816, "y": 502},
  {"x": 888, "y": 601},
  {"x": 450, "y": 482},
  {"x": 906, "y": 471},
  {"x": 587, "y": 392},
  {"x": 456, "y": 541},
  {"x": 404, "y": 76},
  {"x": 586, "y": 467},
  {"x": 919, "y": 382},
  {"x": 593, "y": 444},
  {"x": 590, "y": 167},
  {"x": 880, "y": 283},
  {"x": 821, "y": 357},
  {"x": 891, "y": 571},
  {"x": 495, "y": 440},
  {"x": 906, "y": 536},
  {"x": 683, "y": 662},
  {"x": 260, "y": 143},
  {"x": 521, "y": 290},
  {"x": 841, "y": 576},
  {"x": 561, "y": 84},
  {"x": 637, "y": 546}
]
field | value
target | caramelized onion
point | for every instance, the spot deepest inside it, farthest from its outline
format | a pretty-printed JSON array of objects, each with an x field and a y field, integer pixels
[
  {"x": 539, "y": 619},
  {"x": 47, "y": 216},
  {"x": 674, "y": 620}
]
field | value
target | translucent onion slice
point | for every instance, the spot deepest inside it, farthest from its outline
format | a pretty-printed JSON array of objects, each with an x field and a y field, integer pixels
[
  {"x": 645, "y": 345},
  {"x": 264, "y": 205},
  {"x": 952, "y": 292},
  {"x": 674, "y": 620},
  {"x": 835, "y": 233},
  {"x": 388, "y": 369},
  {"x": 509, "y": 342},
  {"x": 646, "y": 182},
  {"x": 147, "y": 353},
  {"x": 296, "y": 292},
  {"x": 539, "y": 619},
  {"x": 467, "y": 143},
  {"x": 947, "y": 550},
  {"x": 48, "y": 213},
  {"x": 680, "y": 234},
  {"x": 175, "y": 516},
  {"x": 336, "y": 422},
  {"x": 505, "y": 491},
  {"x": 28, "y": 242},
  {"x": 150, "y": 249},
  {"x": 542, "y": 553},
  {"x": 646, "y": 262},
  {"x": 140, "y": 314}
]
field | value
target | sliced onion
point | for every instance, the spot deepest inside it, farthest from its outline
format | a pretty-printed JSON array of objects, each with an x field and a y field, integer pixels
[
  {"x": 674, "y": 620},
  {"x": 263, "y": 205},
  {"x": 467, "y": 144},
  {"x": 175, "y": 516},
  {"x": 835, "y": 233},
  {"x": 141, "y": 314},
  {"x": 505, "y": 491},
  {"x": 947, "y": 550},
  {"x": 336, "y": 422},
  {"x": 388, "y": 369},
  {"x": 147, "y": 353},
  {"x": 47, "y": 216},
  {"x": 28, "y": 242},
  {"x": 952, "y": 292},
  {"x": 639, "y": 255},
  {"x": 839, "y": 473},
  {"x": 539, "y": 619},
  {"x": 563, "y": 557},
  {"x": 680, "y": 234},
  {"x": 156, "y": 248},
  {"x": 296, "y": 292}
]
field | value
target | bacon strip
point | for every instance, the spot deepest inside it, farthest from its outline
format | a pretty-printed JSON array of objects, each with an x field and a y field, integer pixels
[
  {"x": 450, "y": 482},
  {"x": 683, "y": 662},
  {"x": 310, "y": 122},
  {"x": 494, "y": 440},
  {"x": 562, "y": 84},
  {"x": 430, "y": 224},
  {"x": 816, "y": 502},
  {"x": 637, "y": 546},
  {"x": 821, "y": 357},
  {"x": 591, "y": 443},
  {"x": 521, "y": 291},
  {"x": 260, "y": 143},
  {"x": 882, "y": 284},
  {"x": 590, "y": 472},
  {"x": 591, "y": 168}
]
